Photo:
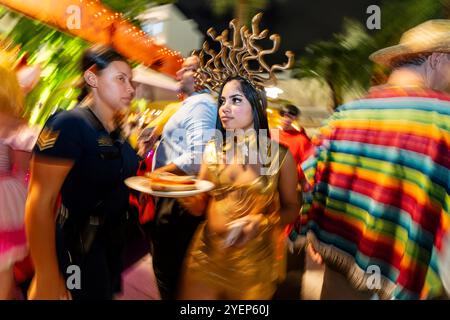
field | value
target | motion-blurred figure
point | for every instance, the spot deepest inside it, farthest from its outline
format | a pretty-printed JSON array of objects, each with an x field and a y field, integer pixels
[
  {"x": 16, "y": 143},
  {"x": 381, "y": 182}
]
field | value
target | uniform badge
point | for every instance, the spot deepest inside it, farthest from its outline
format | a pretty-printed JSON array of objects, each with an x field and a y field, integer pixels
[
  {"x": 105, "y": 141},
  {"x": 47, "y": 139}
]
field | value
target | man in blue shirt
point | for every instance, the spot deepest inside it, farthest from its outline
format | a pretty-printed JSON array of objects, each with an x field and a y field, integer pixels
[{"x": 180, "y": 152}]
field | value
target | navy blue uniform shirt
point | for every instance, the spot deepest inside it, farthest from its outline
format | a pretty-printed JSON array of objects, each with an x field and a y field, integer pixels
[{"x": 101, "y": 162}]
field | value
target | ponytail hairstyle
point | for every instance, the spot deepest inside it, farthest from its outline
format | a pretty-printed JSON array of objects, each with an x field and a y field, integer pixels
[{"x": 99, "y": 57}]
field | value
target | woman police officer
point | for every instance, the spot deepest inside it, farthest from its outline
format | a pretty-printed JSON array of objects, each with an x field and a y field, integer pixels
[{"x": 81, "y": 155}]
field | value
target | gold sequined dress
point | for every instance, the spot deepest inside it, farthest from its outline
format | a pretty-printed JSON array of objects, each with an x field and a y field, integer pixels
[{"x": 253, "y": 271}]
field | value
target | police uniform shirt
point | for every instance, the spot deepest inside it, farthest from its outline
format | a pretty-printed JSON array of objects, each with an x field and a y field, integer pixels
[{"x": 100, "y": 163}]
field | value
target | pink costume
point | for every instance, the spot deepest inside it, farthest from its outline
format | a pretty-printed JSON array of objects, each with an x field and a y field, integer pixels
[{"x": 13, "y": 193}]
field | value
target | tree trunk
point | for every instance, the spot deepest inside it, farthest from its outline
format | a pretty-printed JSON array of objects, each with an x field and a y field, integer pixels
[
  {"x": 446, "y": 8},
  {"x": 334, "y": 94}
]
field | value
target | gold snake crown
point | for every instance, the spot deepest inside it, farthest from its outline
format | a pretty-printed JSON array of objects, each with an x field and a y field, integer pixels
[{"x": 235, "y": 58}]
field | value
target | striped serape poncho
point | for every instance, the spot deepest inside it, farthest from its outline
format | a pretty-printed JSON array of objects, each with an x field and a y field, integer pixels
[{"x": 380, "y": 199}]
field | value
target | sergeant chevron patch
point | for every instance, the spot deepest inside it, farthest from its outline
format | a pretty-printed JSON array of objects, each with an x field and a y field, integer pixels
[{"x": 47, "y": 139}]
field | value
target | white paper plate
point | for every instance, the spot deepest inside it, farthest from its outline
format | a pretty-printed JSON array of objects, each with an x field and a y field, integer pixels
[{"x": 142, "y": 184}]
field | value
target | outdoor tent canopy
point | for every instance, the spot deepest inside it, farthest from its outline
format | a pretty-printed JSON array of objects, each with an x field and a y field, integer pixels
[{"x": 94, "y": 22}]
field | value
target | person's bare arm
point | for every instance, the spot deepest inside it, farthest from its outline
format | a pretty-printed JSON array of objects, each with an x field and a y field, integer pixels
[
  {"x": 291, "y": 209},
  {"x": 287, "y": 188},
  {"x": 47, "y": 177},
  {"x": 289, "y": 206},
  {"x": 147, "y": 140},
  {"x": 170, "y": 168}
]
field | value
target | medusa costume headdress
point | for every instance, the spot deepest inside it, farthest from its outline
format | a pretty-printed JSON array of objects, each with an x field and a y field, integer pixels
[{"x": 240, "y": 56}]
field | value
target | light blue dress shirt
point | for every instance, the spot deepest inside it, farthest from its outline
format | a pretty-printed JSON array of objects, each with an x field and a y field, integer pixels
[{"x": 186, "y": 133}]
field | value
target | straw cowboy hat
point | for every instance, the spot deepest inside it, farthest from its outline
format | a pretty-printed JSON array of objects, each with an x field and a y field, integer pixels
[{"x": 430, "y": 36}]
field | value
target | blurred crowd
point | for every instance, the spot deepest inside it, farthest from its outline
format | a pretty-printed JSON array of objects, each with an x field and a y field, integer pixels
[{"x": 371, "y": 192}]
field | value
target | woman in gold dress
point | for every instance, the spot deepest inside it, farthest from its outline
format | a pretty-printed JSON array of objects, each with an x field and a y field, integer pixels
[{"x": 237, "y": 253}]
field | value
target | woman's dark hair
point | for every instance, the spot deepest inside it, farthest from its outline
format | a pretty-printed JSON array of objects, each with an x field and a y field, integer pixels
[
  {"x": 258, "y": 101},
  {"x": 100, "y": 57}
]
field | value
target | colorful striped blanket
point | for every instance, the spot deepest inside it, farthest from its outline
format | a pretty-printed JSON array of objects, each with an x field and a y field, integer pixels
[{"x": 380, "y": 200}]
